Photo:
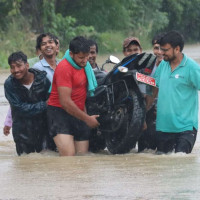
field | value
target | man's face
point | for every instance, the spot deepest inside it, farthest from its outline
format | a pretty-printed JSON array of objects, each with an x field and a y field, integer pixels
[
  {"x": 92, "y": 56},
  {"x": 132, "y": 49},
  {"x": 80, "y": 58},
  {"x": 19, "y": 69},
  {"x": 48, "y": 47},
  {"x": 168, "y": 52},
  {"x": 157, "y": 52}
]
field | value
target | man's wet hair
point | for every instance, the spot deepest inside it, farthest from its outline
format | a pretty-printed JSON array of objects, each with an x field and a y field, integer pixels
[
  {"x": 79, "y": 44},
  {"x": 174, "y": 38},
  {"x": 41, "y": 36},
  {"x": 17, "y": 56},
  {"x": 156, "y": 38},
  {"x": 93, "y": 43}
]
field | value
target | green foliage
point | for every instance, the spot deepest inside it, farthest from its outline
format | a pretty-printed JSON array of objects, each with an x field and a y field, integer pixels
[
  {"x": 64, "y": 28},
  {"x": 18, "y": 38},
  {"x": 4, "y": 60},
  {"x": 8, "y": 10},
  {"x": 15, "y": 8},
  {"x": 110, "y": 42},
  {"x": 147, "y": 17},
  {"x": 184, "y": 16},
  {"x": 106, "y": 21},
  {"x": 103, "y": 15}
]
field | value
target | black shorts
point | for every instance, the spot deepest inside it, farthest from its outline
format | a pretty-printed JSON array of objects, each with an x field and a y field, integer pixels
[
  {"x": 180, "y": 142},
  {"x": 60, "y": 122}
]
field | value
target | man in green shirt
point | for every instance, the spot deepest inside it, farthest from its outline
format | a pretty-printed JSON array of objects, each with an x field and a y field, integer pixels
[{"x": 178, "y": 80}]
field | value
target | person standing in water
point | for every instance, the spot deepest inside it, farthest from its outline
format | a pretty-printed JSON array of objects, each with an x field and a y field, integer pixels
[
  {"x": 178, "y": 80},
  {"x": 47, "y": 47},
  {"x": 27, "y": 92},
  {"x": 68, "y": 121}
]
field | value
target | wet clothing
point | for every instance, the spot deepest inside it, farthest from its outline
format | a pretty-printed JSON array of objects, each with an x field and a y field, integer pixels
[
  {"x": 61, "y": 122},
  {"x": 28, "y": 109},
  {"x": 147, "y": 139},
  {"x": 67, "y": 76},
  {"x": 181, "y": 142},
  {"x": 92, "y": 83},
  {"x": 41, "y": 65},
  {"x": 177, "y": 107}
]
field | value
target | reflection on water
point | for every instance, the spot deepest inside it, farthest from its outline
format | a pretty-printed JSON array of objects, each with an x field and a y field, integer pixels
[{"x": 141, "y": 176}]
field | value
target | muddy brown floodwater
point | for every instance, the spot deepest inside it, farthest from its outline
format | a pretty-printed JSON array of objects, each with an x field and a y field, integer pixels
[{"x": 143, "y": 176}]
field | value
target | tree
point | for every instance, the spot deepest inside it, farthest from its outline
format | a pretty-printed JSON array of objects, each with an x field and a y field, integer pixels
[
  {"x": 103, "y": 15},
  {"x": 184, "y": 16},
  {"x": 146, "y": 16}
]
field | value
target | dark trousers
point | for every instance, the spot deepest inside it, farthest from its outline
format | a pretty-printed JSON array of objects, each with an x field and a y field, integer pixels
[
  {"x": 180, "y": 142},
  {"x": 147, "y": 139},
  {"x": 22, "y": 147}
]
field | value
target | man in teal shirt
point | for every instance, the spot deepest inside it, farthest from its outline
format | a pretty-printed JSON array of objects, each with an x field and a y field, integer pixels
[{"x": 178, "y": 80}]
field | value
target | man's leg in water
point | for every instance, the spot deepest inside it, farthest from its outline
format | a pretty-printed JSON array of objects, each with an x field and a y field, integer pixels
[
  {"x": 165, "y": 142},
  {"x": 185, "y": 141},
  {"x": 65, "y": 144},
  {"x": 81, "y": 146}
]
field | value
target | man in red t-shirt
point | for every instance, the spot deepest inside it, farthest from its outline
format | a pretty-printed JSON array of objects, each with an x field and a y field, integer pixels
[{"x": 68, "y": 121}]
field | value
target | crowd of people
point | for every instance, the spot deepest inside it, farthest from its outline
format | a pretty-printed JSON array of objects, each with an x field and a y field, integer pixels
[{"x": 47, "y": 100}]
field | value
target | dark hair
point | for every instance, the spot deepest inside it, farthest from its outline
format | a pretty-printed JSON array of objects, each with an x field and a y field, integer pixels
[
  {"x": 79, "y": 44},
  {"x": 93, "y": 43},
  {"x": 174, "y": 38},
  {"x": 41, "y": 36},
  {"x": 16, "y": 56},
  {"x": 156, "y": 38}
]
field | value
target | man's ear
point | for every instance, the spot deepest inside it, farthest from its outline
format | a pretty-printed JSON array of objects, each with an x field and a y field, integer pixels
[
  {"x": 27, "y": 65},
  {"x": 177, "y": 48},
  {"x": 71, "y": 54}
]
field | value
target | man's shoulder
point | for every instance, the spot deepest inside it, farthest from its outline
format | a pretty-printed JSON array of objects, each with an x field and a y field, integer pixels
[
  {"x": 192, "y": 62},
  {"x": 38, "y": 74},
  {"x": 41, "y": 64},
  {"x": 9, "y": 80},
  {"x": 163, "y": 63},
  {"x": 162, "y": 66},
  {"x": 64, "y": 64},
  {"x": 11, "y": 84},
  {"x": 37, "y": 65},
  {"x": 37, "y": 71}
]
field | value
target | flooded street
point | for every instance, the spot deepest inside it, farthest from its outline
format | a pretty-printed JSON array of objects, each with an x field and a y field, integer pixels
[{"x": 143, "y": 176}]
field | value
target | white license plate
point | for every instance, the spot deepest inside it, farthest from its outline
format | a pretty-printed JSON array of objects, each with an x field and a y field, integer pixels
[{"x": 145, "y": 79}]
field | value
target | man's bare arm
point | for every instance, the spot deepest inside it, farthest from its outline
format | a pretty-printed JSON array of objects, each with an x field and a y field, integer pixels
[{"x": 69, "y": 106}]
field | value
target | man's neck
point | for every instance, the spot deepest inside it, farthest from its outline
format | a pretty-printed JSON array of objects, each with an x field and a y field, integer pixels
[
  {"x": 176, "y": 62},
  {"x": 28, "y": 79},
  {"x": 51, "y": 61}
]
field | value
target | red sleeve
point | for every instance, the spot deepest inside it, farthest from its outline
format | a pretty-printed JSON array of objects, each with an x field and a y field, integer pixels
[{"x": 64, "y": 75}]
